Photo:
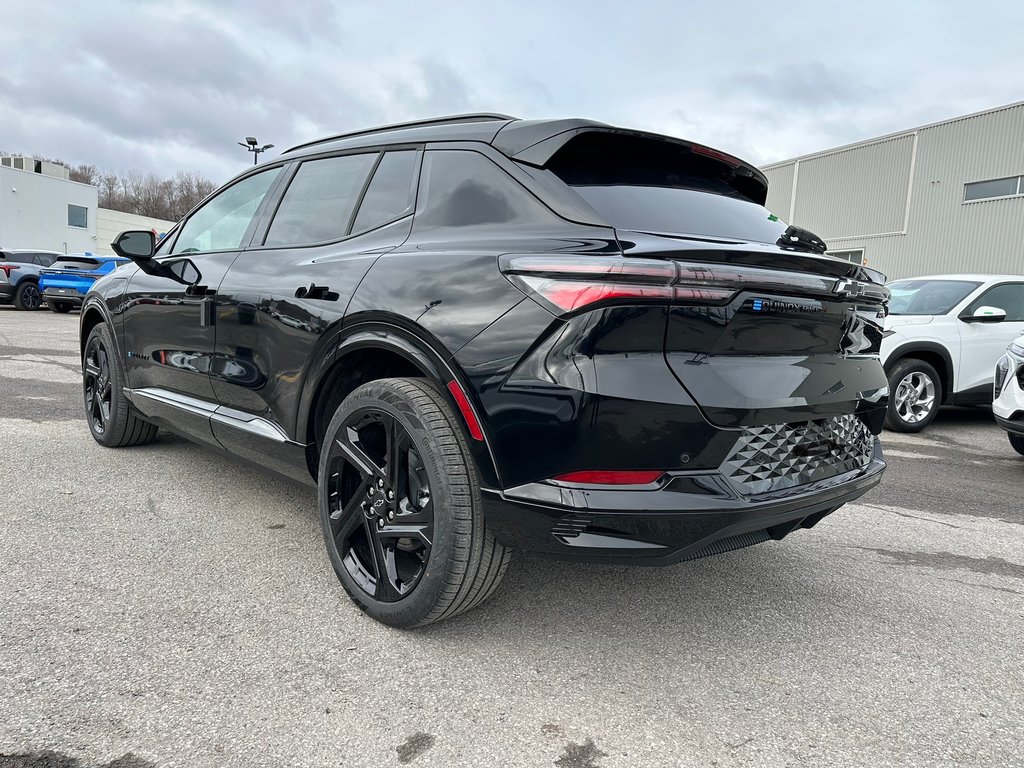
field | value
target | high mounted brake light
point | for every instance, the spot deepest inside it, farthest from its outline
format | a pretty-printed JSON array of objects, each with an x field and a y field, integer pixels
[{"x": 573, "y": 282}]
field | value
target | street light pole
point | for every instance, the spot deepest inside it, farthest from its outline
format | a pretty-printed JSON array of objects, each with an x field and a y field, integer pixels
[{"x": 251, "y": 145}]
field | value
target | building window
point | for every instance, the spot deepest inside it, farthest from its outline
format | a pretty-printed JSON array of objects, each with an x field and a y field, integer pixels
[
  {"x": 987, "y": 190},
  {"x": 78, "y": 216},
  {"x": 854, "y": 257}
]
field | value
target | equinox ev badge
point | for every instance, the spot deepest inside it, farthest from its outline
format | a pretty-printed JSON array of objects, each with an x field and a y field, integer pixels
[{"x": 779, "y": 305}]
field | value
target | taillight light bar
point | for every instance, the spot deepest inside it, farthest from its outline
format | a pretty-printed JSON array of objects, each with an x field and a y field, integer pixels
[
  {"x": 6, "y": 269},
  {"x": 574, "y": 282}
]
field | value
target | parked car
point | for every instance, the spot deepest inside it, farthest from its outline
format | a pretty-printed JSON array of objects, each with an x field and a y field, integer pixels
[
  {"x": 1008, "y": 406},
  {"x": 19, "y": 276},
  {"x": 943, "y": 336},
  {"x": 477, "y": 333},
  {"x": 66, "y": 282}
]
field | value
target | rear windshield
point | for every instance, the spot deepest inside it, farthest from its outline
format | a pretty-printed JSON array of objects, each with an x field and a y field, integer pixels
[
  {"x": 659, "y": 186},
  {"x": 927, "y": 297},
  {"x": 65, "y": 263}
]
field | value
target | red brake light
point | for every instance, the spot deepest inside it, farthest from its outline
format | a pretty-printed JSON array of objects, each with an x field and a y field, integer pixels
[
  {"x": 466, "y": 409},
  {"x": 611, "y": 476},
  {"x": 700, "y": 149},
  {"x": 573, "y": 282},
  {"x": 8, "y": 267}
]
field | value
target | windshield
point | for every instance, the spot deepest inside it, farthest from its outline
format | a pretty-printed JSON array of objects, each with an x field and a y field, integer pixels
[{"x": 927, "y": 297}]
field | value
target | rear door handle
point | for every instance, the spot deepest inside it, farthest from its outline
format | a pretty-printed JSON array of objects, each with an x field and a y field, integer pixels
[{"x": 321, "y": 292}]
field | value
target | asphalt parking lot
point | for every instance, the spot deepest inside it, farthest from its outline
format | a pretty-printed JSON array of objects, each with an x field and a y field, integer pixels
[{"x": 167, "y": 606}]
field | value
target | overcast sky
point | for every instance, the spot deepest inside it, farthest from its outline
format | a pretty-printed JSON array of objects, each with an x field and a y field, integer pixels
[{"x": 163, "y": 86}]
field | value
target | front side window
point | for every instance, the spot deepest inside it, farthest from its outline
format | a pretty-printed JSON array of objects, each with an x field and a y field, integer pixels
[
  {"x": 1009, "y": 298},
  {"x": 927, "y": 297},
  {"x": 78, "y": 216},
  {"x": 318, "y": 205},
  {"x": 460, "y": 188},
  {"x": 221, "y": 224}
]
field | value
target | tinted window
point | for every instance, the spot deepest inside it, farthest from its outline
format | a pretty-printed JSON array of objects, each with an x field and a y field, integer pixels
[
  {"x": 927, "y": 297},
  {"x": 46, "y": 259},
  {"x": 465, "y": 189},
  {"x": 318, "y": 204},
  {"x": 980, "y": 190},
  {"x": 223, "y": 221},
  {"x": 1009, "y": 298},
  {"x": 390, "y": 192},
  {"x": 684, "y": 211},
  {"x": 78, "y": 216}
]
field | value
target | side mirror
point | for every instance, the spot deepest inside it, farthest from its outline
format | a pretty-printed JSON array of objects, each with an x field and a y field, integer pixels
[
  {"x": 985, "y": 315},
  {"x": 135, "y": 244}
]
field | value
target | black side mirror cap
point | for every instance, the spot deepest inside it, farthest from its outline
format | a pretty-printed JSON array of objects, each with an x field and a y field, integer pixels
[{"x": 135, "y": 244}]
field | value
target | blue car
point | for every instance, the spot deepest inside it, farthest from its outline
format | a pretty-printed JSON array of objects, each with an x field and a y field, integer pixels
[{"x": 69, "y": 278}]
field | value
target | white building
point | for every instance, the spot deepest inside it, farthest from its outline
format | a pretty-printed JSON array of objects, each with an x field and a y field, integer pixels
[
  {"x": 41, "y": 208},
  {"x": 942, "y": 198}
]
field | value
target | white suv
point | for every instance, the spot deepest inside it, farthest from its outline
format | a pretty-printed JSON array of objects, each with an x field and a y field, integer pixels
[
  {"x": 942, "y": 339},
  {"x": 1008, "y": 406}
]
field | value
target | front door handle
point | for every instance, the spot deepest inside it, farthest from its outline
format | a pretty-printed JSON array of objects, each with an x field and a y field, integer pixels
[{"x": 314, "y": 291}]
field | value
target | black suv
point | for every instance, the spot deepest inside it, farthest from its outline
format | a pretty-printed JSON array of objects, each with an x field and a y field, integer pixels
[{"x": 479, "y": 333}]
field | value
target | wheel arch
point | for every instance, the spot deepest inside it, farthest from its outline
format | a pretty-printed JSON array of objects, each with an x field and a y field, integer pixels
[
  {"x": 375, "y": 350},
  {"x": 92, "y": 315},
  {"x": 936, "y": 355}
]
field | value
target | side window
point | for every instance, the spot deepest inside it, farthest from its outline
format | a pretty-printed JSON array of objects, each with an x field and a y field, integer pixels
[
  {"x": 319, "y": 201},
  {"x": 163, "y": 246},
  {"x": 221, "y": 224},
  {"x": 464, "y": 189},
  {"x": 390, "y": 192},
  {"x": 1009, "y": 298},
  {"x": 44, "y": 259}
]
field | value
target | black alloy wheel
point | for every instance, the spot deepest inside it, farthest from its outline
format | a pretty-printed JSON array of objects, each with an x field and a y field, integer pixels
[
  {"x": 381, "y": 513},
  {"x": 28, "y": 296},
  {"x": 400, "y": 506},
  {"x": 112, "y": 420},
  {"x": 98, "y": 386}
]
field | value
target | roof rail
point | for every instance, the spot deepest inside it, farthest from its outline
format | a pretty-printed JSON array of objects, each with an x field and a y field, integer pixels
[{"x": 448, "y": 120}]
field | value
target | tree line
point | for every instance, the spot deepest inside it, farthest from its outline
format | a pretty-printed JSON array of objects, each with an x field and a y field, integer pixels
[{"x": 145, "y": 194}]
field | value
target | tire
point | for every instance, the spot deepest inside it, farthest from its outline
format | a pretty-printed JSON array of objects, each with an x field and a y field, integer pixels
[
  {"x": 112, "y": 420},
  {"x": 1016, "y": 442},
  {"x": 915, "y": 394},
  {"x": 60, "y": 307},
  {"x": 28, "y": 296},
  {"x": 449, "y": 562}
]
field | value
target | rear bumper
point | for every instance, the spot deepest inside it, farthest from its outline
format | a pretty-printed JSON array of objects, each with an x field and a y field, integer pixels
[
  {"x": 692, "y": 515},
  {"x": 67, "y": 297}
]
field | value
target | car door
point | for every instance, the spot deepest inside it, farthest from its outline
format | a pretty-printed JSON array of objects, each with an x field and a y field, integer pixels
[
  {"x": 167, "y": 314},
  {"x": 280, "y": 304},
  {"x": 982, "y": 344}
]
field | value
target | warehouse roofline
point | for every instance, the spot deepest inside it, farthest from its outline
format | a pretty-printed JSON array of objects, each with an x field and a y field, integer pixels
[{"x": 889, "y": 136}]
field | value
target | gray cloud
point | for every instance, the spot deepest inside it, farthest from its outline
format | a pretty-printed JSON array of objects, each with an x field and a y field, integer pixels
[{"x": 167, "y": 86}]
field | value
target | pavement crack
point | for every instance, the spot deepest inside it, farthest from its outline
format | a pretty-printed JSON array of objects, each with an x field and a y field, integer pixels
[{"x": 912, "y": 517}]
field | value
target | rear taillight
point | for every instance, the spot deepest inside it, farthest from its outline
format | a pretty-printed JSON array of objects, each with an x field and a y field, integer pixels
[
  {"x": 571, "y": 283},
  {"x": 611, "y": 476},
  {"x": 5, "y": 272}
]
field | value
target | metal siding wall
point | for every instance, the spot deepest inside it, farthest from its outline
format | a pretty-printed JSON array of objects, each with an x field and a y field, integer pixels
[
  {"x": 109, "y": 224},
  {"x": 944, "y": 235},
  {"x": 34, "y": 212},
  {"x": 780, "y": 189},
  {"x": 831, "y": 199}
]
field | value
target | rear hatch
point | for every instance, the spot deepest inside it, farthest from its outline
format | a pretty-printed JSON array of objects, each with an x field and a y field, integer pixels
[
  {"x": 74, "y": 275},
  {"x": 764, "y": 328}
]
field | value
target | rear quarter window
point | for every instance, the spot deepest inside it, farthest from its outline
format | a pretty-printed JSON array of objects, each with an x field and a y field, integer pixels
[{"x": 461, "y": 188}]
